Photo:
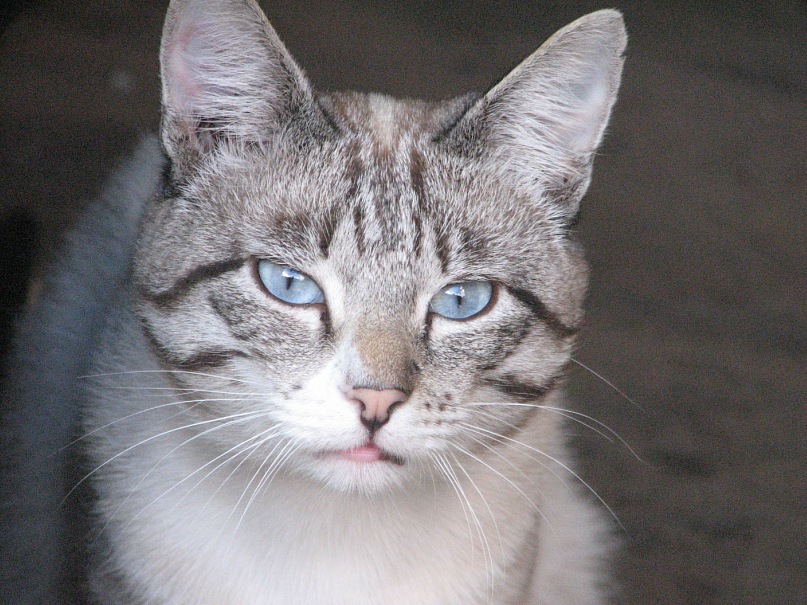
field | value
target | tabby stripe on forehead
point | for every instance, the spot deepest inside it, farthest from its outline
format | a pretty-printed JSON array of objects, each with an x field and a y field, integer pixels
[
  {"x": 333, "y": 216},
  {"x": 443, "y": 249},
  {"x": 326, "y": 230},
  {"x": 184, "y": 284},
  {"x": 358, "y": 223},
  {"x": 539, "y": 309},
  {"x": 418, "y": 232},
  {"x": 416, "y": 167},
  {"x": 354, "y": 169},
  {"x": 196, "y": 362}
]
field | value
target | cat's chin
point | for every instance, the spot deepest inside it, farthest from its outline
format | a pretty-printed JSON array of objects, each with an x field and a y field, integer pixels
[{"x": 366, "y": 469}]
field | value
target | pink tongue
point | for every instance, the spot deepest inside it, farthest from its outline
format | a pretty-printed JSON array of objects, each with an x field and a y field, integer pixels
[{"x": 365, "y": 453}]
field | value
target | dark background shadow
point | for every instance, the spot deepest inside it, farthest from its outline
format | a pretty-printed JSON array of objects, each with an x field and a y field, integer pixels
[{"x": 695, "y": 227}]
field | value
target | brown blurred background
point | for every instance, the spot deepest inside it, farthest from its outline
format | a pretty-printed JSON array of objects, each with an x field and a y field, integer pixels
[{"x": 695, "y": 226}]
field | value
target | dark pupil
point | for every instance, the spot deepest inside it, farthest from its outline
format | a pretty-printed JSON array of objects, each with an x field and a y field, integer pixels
[
  {"x": 289, "y": 282},
  {"x": 459, "y": 298}
]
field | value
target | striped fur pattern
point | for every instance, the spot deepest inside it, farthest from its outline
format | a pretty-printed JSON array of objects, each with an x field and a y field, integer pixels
[{"x": 217, "y": 412}]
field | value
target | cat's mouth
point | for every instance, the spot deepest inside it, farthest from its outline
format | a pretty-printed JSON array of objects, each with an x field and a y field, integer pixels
[{"x": 366, "y": 454}]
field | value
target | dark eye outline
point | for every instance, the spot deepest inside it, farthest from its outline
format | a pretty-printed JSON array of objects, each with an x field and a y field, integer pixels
[
  {"x": 257, "y": 276},
  {"x": 494, "y": 297}
]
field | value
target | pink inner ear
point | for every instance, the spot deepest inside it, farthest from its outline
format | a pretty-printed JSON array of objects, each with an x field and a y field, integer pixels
[
  {"x": 184, "y": 88},
  {"x": 582, "y": 134}
]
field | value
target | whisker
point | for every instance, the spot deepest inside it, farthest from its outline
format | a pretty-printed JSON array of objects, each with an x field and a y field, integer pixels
[
  {"x": 499, "y": 454},
  {"x": 430, "y": 468},
  {"x": 195, "y": 403},
  {"x": 494, "y": 437},
  {"x": 559, "y": 463},
  {"x": 512, "y": 484},
  {"x": 441, "y": 466},
  {"x": 559, "y": 411},
  {"x": 252, "y": 479},
  {"x": 254, "y": 447},
  {"x": 486, "y": 552},
  {"x": 183, "y": 390},
  {"x": 609, "y": 383},
  {"x": 500, "y": 439},
  {"x": 491, "y": 570},
  {"x": 180, "y": 372},
  {"x": 268, "y": 475},
  {"x": 143, "y": 442},
  {"x": 166, "y": 456},
  {"x": 114, "y": 515},
  {"x": 571, "y": 415}
]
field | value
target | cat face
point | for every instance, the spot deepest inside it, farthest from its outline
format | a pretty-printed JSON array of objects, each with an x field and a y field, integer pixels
[{"x": 363, "y": 275}]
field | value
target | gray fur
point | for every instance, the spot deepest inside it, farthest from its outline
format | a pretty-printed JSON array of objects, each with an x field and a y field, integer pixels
[
  {"x": 211, "y": 407},
  {"x": 42, "y": 396}
]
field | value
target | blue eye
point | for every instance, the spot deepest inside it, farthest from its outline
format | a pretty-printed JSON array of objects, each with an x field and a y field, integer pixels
[
  {"x": 462, "y": 300},
  {"x": 289, "y": 285}
]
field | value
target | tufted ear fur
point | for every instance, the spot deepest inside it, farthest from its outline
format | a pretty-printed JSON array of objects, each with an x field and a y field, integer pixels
[
  {"x": 540, "y": 126},
  {"x": 226, "y": 75}
]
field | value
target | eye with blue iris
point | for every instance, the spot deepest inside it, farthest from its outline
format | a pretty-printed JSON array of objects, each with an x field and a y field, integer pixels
[
  {"x": 462, "y": 300},
  {"x": 289, "y": 285}
]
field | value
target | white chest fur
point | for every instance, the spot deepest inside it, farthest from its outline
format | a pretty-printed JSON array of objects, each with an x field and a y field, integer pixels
[{"x": 216, "y": 542}]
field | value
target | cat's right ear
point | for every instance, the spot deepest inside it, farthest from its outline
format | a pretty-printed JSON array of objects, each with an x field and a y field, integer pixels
[
  {"x": 226, "y": 75},
  {"x": 541, "y": 125}
]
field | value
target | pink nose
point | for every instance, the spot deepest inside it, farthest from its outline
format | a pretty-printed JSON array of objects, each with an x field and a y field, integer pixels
[{"x": 376, "y": 406}]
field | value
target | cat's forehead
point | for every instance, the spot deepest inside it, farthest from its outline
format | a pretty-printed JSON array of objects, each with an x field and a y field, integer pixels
[
  {"x": 391, "y": 161},
  {"x": 385, "y": 124},
  {"x": 384, "y": 194}
]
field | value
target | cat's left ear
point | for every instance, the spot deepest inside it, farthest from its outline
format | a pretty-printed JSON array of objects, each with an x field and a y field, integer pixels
[
  {"x": 541, "y": 125},
  {"x": 227, "y": 75}
]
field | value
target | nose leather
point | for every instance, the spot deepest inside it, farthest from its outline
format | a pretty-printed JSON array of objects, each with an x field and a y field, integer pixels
[{"x": 376, "y": 405}]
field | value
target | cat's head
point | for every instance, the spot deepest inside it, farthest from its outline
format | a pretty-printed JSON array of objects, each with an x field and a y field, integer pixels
[{"x": 366, "y": 275}]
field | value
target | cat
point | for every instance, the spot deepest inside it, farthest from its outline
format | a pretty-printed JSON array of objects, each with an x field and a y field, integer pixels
[{"x": 310, "y": 348}]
